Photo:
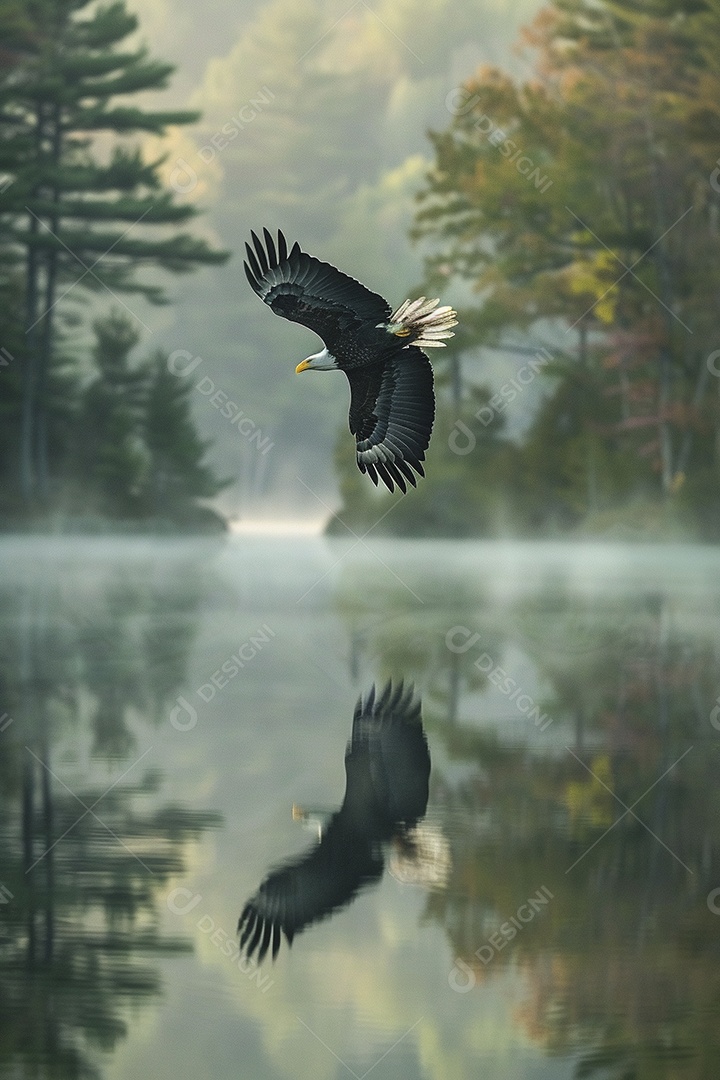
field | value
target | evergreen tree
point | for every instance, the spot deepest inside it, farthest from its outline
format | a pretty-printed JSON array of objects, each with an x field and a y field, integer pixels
[
  {"x": 112, "y": 461},
  {"x": 138, "y": 453},
  {"x": 78, "y": 221},
  {"x": 176, "y": 475}
]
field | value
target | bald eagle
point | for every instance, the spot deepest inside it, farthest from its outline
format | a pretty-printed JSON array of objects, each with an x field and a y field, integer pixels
[
  {"x": 387, "y": 763},
  {"x": 392, "y": 404}
]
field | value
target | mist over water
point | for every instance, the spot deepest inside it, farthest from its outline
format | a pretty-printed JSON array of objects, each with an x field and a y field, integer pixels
[{"x": 167, "y": 704}]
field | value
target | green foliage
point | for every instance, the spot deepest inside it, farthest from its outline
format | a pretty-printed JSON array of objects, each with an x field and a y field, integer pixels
[
  {"x": 75, "y": 219},
  {"x": 176, "y": 474},
  {"x": 137, "y": 450},
  {"x": 110, "y": 451},
  {"x": 580, "y": 206}
]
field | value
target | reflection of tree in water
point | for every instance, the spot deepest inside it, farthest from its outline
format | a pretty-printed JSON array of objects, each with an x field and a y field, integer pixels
[
  {"x": 629, "y": 668},
  {"x": 408, "y": 641},
  {"x": 620, "y": 967},
  {"x": 133, "y": 651},
  {"x": 80, "y": 926}
]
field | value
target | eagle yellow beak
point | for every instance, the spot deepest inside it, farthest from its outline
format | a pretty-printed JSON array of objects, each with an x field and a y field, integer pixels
[{"x": 303, "y": 366}]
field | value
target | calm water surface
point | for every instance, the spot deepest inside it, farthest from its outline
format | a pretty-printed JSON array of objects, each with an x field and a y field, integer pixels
[{"x": 173, "y": 725}]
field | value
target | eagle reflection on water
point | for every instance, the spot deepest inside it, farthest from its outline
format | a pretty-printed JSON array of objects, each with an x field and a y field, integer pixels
[{"x": 387, "y": 763}]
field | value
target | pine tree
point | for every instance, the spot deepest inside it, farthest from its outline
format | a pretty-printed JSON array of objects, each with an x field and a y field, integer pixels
[
  {"x": 77, "y": 221},
  {"x": 176, "y": 475},
  {"x": 111, "y": 454}
]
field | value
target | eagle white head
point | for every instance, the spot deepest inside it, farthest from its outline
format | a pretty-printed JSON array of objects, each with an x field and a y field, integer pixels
[{"x": 319, "y": 361}]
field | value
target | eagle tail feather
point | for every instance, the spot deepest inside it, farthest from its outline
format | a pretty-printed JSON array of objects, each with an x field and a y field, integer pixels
[{"x": 422, "y": 319}]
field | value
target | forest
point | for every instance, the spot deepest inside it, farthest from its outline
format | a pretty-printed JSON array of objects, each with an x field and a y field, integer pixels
[
  {"x": 574, "y": 209},
  {"x": 89, "y": 436},
  {"x": 581, "y": 207}
]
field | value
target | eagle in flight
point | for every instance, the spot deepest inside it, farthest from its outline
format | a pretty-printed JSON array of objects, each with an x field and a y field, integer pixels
[
  {"x": 387, "y": 765},
  {"x": 392, "y": 404}
]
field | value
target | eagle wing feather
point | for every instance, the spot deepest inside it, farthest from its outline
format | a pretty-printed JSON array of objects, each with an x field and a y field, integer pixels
[
  {"x": 308, "y": 889},
  {"x": 392, "y": 408},
  {"x": 387, "y": 764},
  {"x": 305, "y": 290}
]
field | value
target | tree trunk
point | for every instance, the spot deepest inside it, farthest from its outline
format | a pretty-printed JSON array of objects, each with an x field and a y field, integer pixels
[
  {"x": 666, "y": 453},
  {"x": 28, "y": 825},
  {"x": 660, "y": 259},
  {"x": 48, "y": 819},
  {"x": 46, "y": 340},
  {"x": 700, "y": 388},
  {"x": 29, "y": 379}
]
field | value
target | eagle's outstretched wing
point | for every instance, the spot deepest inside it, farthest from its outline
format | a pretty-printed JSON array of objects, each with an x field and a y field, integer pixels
[
  {"x": 301, "y": 288},
  {"x": 309, "y": 888},
  {"x": 387, "y": 764},
  {"x": 392, "y": 408}
]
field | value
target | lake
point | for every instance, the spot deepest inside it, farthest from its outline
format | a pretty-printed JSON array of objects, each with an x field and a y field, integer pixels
[{"x": 174, "y": 717}]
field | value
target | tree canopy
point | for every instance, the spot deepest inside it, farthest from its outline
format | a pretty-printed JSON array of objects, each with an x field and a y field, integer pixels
[
  {"x": 581, "y": 206},
  {"x": 81, "y": 209}
]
